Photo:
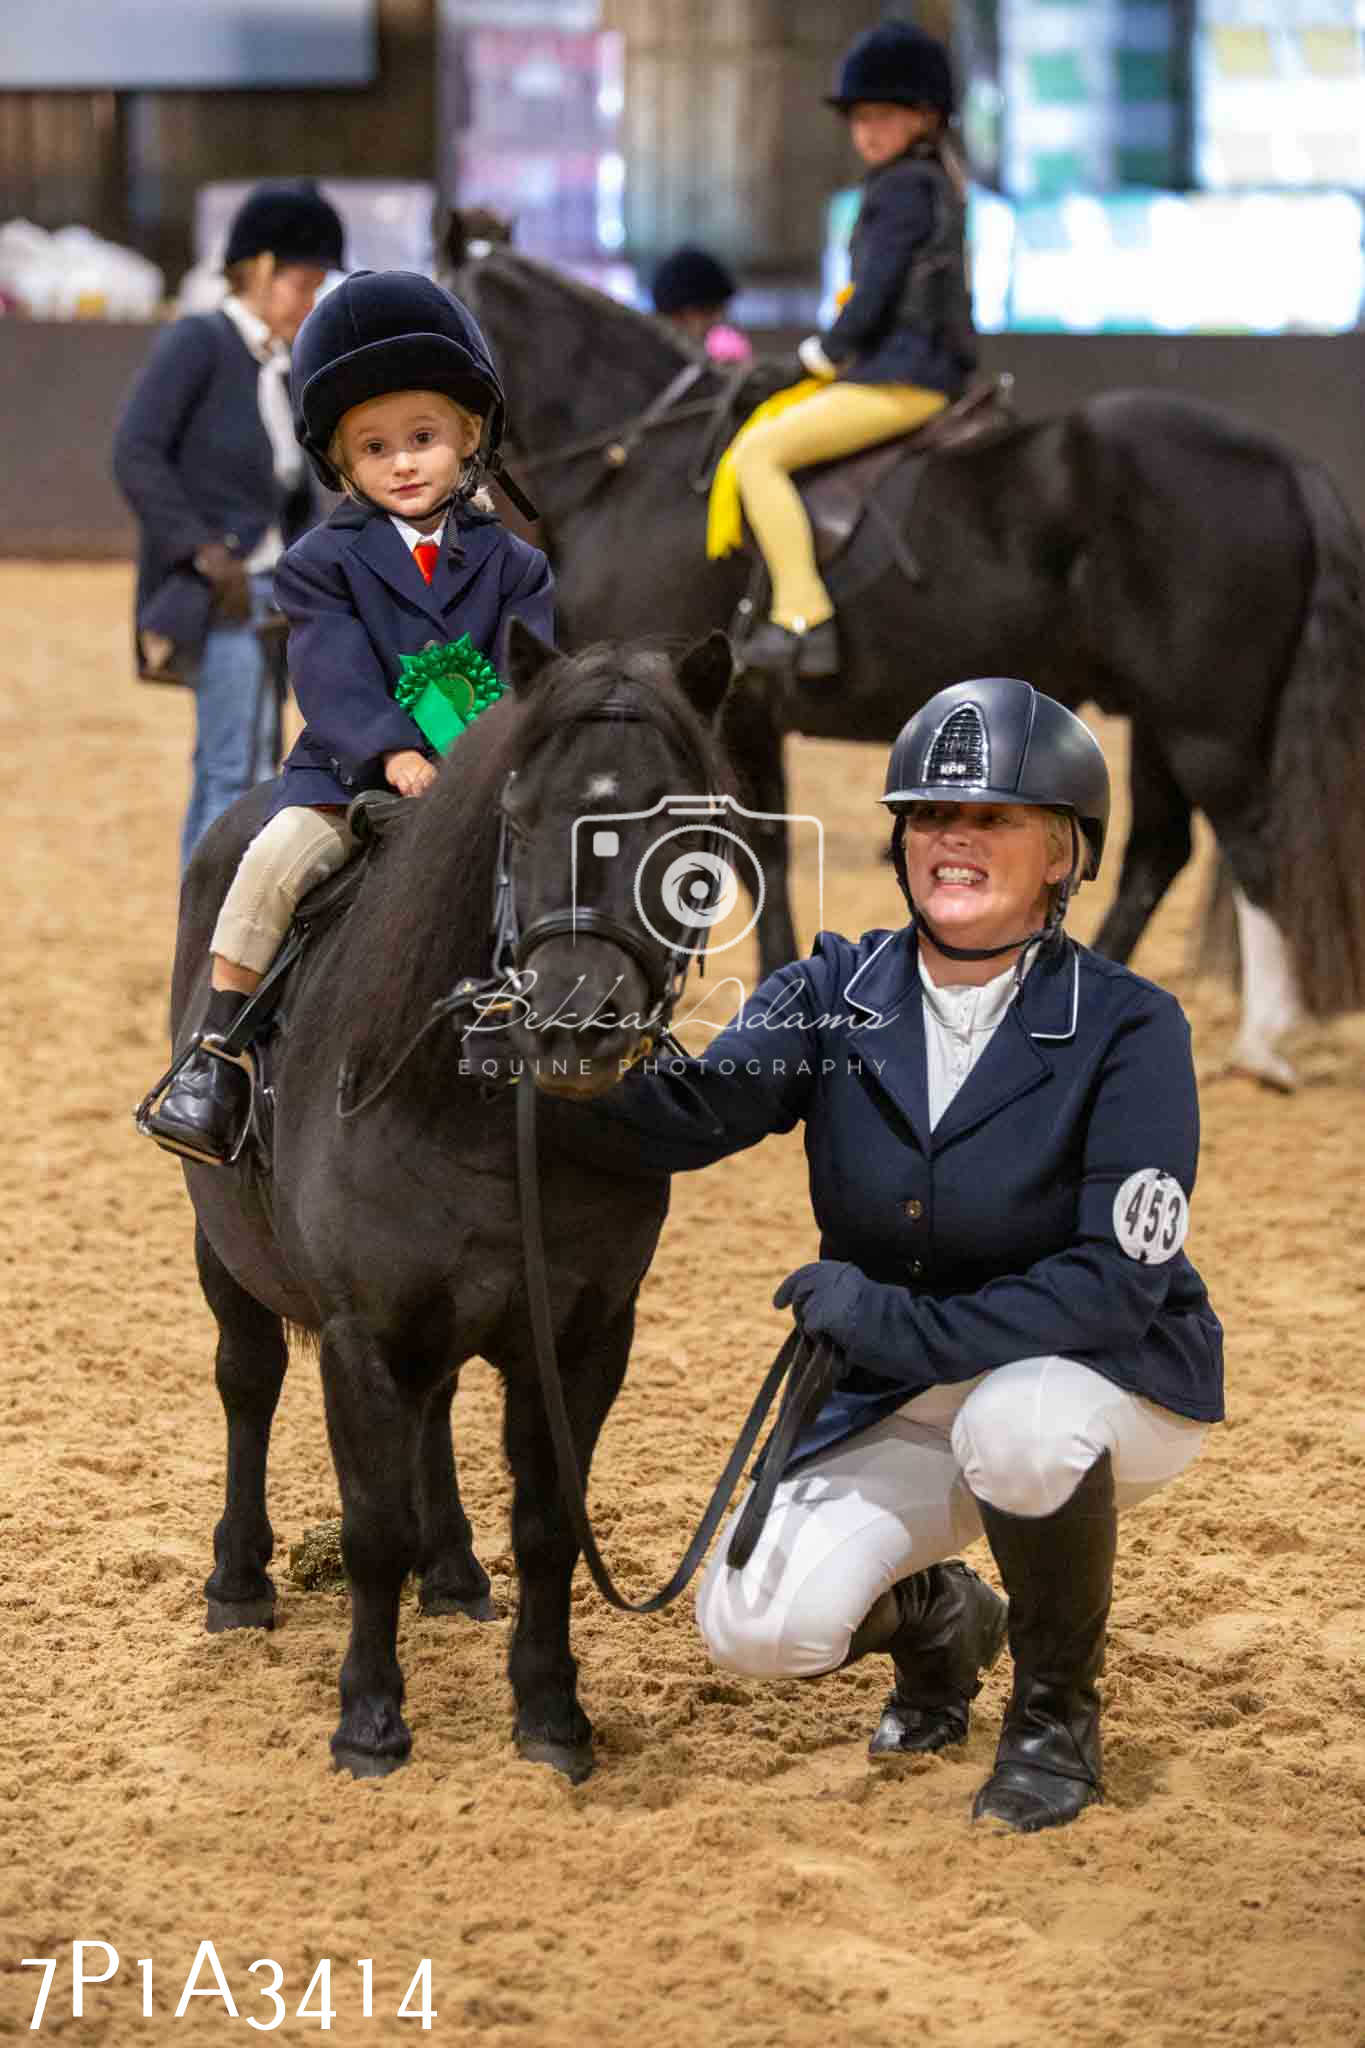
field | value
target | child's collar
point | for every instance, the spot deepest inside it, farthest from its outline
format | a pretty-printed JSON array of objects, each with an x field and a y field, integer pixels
[{"x": 351, "y": 514}]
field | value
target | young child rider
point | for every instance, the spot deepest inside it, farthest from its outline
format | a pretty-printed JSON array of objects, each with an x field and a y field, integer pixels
[
  {"x": 902, "y": 346},
  {"x": 396, "y": 402}
]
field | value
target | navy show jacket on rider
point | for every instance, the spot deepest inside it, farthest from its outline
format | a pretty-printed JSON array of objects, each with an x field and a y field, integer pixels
[
  {"x": 356, "y": 600},
  {"x": 991, "y": 1238}
]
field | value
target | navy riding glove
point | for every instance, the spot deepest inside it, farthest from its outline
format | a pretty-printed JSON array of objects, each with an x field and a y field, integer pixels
[{"x": 825, "y": 1298}]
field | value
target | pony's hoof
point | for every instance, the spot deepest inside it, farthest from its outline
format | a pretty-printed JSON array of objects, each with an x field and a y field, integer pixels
[
  {"x": 573, "y": 1760},
  {"x": 220, "y": 1615},
  {"x": 480, "y": 1608},
  {"x": 363, "y": 1763}
]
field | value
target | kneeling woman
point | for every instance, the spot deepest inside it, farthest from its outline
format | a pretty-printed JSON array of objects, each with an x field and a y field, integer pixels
[{"x": 1002, "y": 1134}]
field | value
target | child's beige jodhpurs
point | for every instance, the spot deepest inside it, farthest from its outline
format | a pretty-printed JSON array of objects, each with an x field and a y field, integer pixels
[{"x": 299, "y": 848}]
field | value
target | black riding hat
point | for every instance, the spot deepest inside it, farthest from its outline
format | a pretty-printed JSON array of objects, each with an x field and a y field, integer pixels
[
  {"x": 382, "y": 331},
  {"x": 691, "y": 277},
  {"x": 896, "y": 63},
  {"x": 1000, "y": 741},
  {"x": 293, "y": 222}
]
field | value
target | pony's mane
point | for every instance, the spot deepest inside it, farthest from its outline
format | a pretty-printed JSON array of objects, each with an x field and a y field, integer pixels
[
  {"x": 422, "y": 921},
  {"x": 635, "y": 326}
]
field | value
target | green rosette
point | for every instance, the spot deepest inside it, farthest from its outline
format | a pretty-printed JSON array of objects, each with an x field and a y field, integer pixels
[{"x": 443, "y": 689}]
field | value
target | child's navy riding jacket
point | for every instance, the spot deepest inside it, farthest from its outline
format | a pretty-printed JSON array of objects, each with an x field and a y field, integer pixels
[
  {"x": 909, "y": 317},
  {"x": 356, "y": 601},
  {"x": 992, "y": 1238}
]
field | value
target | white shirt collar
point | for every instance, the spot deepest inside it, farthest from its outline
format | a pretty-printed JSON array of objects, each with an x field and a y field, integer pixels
[
  {"x": 411, "y": 536},
  {"x": 973, "y": 1007},
  {"x": 253, "y": 330}
]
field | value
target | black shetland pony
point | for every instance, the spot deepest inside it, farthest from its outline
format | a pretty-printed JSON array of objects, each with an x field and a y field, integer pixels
[
  {"x": 387, "y": 1227},
  {"x": 1164, "y": 560}
]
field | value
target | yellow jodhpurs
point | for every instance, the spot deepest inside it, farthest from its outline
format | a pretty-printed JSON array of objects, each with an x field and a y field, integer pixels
[
  {"x": 836, "y": 421},
  {"x": 290, "y": 855}
]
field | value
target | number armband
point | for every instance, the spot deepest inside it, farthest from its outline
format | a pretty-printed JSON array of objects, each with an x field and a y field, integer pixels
[{"x": 1151, "y": 1216}]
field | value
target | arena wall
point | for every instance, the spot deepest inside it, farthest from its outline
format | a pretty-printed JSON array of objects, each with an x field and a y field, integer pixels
[{"x": 57, "y": 498}]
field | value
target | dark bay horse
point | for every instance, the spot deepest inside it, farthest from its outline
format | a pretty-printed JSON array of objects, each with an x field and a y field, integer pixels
[
  {"x": 1154, "y": 556},
  {"x": 390, "y": 1232}
]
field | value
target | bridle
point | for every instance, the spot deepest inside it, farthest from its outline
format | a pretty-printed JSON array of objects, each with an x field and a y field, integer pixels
[
  {"x": 478, "y": 1003},
  {"x": 664, "y": 968},
  {"x": 616, "y": 445}
]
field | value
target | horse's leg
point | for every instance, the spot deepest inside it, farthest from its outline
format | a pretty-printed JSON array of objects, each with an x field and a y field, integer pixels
[
  {"x": 374, "y": 1425},
  {"x": 1232, "y": 793},
  {"x": 1270, "y": 997},
  {"x": 1159, "y": 842},
  {"x": 249, "y": 1369},
  {"x": 453, "y": 1581},
  {"x": 551, "y": 1725},
  {"x": 754, "y": 740}
]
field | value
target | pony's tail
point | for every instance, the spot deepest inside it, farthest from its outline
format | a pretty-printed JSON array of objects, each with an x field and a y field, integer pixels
[{"x": 1317, "y": 770}]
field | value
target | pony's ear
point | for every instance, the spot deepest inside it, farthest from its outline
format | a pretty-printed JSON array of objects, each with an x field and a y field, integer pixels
[
  {"x": 705, "y": 672},
  {"x": 527, "y": 656}
]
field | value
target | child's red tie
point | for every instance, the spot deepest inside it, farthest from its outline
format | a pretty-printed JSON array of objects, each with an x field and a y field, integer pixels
[{"x": 427, "y": 553}]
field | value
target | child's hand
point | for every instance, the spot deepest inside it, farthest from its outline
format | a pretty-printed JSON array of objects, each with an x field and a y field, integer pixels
[{"x": 409, "y": 772}]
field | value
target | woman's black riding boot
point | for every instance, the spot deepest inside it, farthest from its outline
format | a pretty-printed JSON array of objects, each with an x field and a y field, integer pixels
[
  {"x": 941, "y": 1628},
  {"x": 1059, "y": 1573},
  {"x": 202, "y": 1111}
]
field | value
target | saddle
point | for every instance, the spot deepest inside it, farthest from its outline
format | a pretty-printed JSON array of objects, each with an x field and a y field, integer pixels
[
  {"x": 250, "y": 1042},
  {"x": 837, "y": 494}
]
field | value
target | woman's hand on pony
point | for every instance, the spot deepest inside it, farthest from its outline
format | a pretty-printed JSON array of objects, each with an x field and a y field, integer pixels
[{"x": 409, "y": 772}]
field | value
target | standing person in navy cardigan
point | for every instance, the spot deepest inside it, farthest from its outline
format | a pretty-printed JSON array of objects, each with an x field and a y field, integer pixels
[
  {"x": 1002, "y": 1132},
  {"x": 205, "y": 454},
  {"x": 397, "y": 402}
]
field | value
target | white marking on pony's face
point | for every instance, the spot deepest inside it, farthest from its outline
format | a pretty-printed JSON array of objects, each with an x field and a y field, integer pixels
[{"x": 600, "y": 787}]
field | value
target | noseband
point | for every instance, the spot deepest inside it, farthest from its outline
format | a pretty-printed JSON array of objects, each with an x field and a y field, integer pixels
[{"x": 664, "y": 968}]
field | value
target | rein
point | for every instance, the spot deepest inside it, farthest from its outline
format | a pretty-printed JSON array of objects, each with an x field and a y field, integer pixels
[
  {"x": 813, "y": 1368},
  {"x": 615, "y": 445},
  {"x": 809, "y": 1368}
]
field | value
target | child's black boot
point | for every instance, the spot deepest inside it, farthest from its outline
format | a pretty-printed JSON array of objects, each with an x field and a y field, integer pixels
[{"x": 203, "y": 1111}]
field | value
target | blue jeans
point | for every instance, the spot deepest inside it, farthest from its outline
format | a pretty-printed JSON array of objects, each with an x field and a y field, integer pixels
[{"x": 237, "y": 736}]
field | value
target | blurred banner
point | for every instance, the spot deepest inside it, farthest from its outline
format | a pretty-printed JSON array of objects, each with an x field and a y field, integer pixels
[
  {"x": 1137, "y": 262},
  {"x": 1280, "y": 93},
  {"x": 145, "y": 45}
]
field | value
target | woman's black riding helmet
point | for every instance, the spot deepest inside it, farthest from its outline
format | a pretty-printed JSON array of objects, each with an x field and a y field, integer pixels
[
  {"x": 997, "y": 740},
  {"x": 382, "y": 331}
]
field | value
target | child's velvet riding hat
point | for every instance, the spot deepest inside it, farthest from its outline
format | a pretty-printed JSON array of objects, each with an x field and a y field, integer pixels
[{"x": 383, "y": 331}]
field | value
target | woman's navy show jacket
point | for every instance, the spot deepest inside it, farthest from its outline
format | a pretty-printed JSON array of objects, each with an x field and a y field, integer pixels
[
  {"x": 356, "y": 600},
  {"x": 991, "y": 1238}
]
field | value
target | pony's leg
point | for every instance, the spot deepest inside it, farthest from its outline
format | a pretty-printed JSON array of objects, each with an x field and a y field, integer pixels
[
  {"x": 1270, "y": 996},
  {"x": 551, "y": 1725},
  {"x": 753, "y": 737},
  {"x": 453, "y": 1581},
  {"x": 373, "y": 1424},
  {"x": 1159, "y": 842},
  {"x": 249, "y": 1369}
]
